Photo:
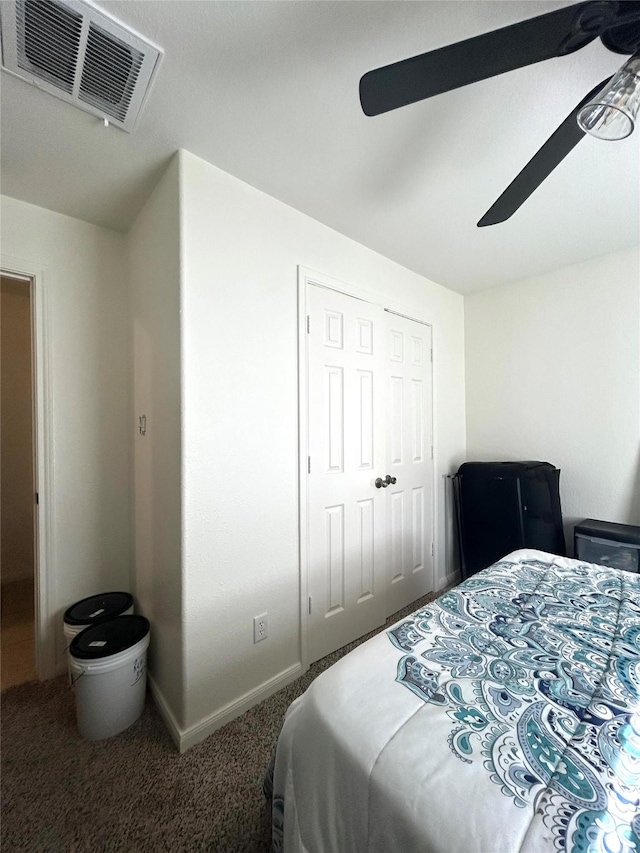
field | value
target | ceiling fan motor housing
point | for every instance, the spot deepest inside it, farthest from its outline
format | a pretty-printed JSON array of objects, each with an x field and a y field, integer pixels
[
  {"x": 599, "y": 18},
  {"x": 625, "y": 38},
  {"x": 591, "y": 20}
]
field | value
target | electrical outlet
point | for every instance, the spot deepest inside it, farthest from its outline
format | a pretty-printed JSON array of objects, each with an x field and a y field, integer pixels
[{"x": 260, "y": 627}]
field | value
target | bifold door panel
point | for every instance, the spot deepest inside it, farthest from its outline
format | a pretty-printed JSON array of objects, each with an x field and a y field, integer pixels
[
  {"x": 346, "y": 450},
  {"x": 409, "y": 461}
]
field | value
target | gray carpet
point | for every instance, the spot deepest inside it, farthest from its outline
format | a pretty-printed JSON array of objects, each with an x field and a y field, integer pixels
[{"x": 135, "y": 792}]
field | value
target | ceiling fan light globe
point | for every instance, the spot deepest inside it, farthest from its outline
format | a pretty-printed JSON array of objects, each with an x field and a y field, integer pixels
[
  {"x": 605, "y": 122},
  {"x": 612, "y": 114}
]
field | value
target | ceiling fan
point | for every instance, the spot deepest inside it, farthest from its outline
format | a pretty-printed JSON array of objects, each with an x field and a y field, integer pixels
[{"x": 607, "y": 111}]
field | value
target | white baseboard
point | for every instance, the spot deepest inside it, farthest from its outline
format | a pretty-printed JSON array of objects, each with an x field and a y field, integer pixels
[
  {"x": 452, "y": 579},
  {"x": 165, "y": 712},
  {"x": 186, "y": 738},
  {"x": 194, "y": 734}
]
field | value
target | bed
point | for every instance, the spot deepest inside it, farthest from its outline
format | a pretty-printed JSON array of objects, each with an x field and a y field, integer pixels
[{"x": 503, "y": 717}]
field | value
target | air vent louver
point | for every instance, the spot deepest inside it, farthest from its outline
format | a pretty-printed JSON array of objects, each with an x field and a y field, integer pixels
[
  {"x": 48, "y": 41},
  {"x": 109, "y": 73},
  {"x": 79, "y": 54}
]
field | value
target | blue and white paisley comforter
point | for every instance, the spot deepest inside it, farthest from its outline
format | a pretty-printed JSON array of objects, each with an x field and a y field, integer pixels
[{"x": 503, "y": 717}]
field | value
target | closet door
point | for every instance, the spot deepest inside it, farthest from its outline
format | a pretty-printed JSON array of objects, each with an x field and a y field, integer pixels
[
  {"x": 347, "y": 514},
  {"x": 409, "y": 459},
  {"x": 369, "y": 541}
]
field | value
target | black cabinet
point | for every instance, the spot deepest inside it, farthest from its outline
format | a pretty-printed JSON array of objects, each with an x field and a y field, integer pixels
[
  {"x": 503, "y": 506},
  {"x": 608, "y": 544}
]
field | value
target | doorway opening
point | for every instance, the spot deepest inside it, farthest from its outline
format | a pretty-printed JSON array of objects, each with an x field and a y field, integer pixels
[{"x": 18, "y": 483}]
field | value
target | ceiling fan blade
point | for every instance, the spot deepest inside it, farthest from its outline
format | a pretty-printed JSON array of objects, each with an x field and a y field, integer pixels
[
  {"x": 553, "y": 34},
  {"x": 560, "y": 143}
]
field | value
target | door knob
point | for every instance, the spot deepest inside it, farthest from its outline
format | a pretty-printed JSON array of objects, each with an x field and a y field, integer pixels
[{"x": 382, "y": 484}]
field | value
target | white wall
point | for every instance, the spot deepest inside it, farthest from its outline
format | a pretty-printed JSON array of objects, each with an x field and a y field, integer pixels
[
  {"x": 86, "y": 332},
  {"x": 154, "y": 269},
  {"x": 553, "y": 373},
  {"x": 16, "y": 435},
  {"x": 240, "y": 434}
]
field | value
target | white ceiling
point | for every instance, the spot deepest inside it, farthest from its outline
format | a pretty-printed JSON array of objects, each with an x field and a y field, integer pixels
[{"x": 268, "y": 91}]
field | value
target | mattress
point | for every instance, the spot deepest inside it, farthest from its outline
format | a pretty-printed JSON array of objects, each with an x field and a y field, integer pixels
[{"x": 503, "y": 717}]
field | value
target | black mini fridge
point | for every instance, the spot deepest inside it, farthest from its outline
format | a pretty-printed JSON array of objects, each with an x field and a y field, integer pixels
[{"x": 503, "y": 506}]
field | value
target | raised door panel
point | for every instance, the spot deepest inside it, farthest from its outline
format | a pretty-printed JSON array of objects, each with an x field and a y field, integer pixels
[
  {"x": 334, "y": 576},
  {"x": 334, "y": 413},
  {"x": 366, "y": 548}
]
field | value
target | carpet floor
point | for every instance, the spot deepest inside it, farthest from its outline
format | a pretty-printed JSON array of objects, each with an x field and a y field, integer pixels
[{"x": 135, "y": 793}]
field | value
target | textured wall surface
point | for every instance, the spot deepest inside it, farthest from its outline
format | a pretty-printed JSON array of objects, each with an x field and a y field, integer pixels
[
  {"x": 553, "y": 373},
  {"x": 154, "y": 269},
  {"x": 87, "y": 338},
  {"x": 241, "y": 250}
]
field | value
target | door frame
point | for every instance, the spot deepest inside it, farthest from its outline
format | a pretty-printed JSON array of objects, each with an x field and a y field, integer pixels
[
  {"x": 45, "y": 647},
  {"x": 306, "y": 278}
]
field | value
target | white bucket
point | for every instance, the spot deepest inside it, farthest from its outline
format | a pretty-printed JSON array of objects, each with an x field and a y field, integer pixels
[{"x": 110, "y": 692}]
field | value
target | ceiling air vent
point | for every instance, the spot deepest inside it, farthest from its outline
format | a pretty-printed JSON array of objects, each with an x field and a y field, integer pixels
[{"x": 79, "y": 54}]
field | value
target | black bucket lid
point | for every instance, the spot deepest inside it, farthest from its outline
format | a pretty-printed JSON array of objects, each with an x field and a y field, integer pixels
[
  {"x": 109, "y": 637},
  {"x": 87, "y": 611}
]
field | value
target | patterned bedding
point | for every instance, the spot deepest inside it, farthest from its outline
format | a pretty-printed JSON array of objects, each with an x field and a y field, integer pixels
[{"x": 502, "y": 718}]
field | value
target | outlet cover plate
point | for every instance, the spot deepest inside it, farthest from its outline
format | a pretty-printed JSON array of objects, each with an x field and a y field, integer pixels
[{"x": 260, "y": 627}]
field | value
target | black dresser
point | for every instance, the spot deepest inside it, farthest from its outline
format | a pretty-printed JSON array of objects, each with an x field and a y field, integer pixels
[{"x": 503, "y": 506}]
